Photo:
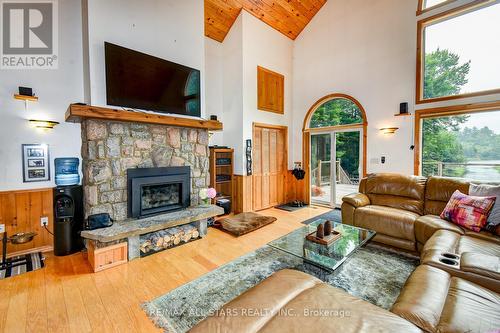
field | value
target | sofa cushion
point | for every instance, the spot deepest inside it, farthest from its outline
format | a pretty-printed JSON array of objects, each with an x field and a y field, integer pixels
[
  {"x": 438, "y": 191},
  {"x": 290, "y": 301},
  {"x": 396, "y": 190},
  {"x": 470, "y": 308},
  {"x": 423, "y": 297},
  {"x": 427, "y": 225},
  {"x": 452, "y": 242},
  {"x": 386, "y": 220},
  {"x": 486, "y": 235},
  {"x": 437, "y": 302}
]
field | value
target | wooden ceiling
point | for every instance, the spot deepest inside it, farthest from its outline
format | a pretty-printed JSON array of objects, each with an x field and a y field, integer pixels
[{"x": 287, "y": 16}]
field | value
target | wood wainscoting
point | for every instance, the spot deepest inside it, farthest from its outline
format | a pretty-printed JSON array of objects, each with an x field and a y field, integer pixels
[
  {"x": 243, "y": 202},
  {"x": 21, "y": 211}
]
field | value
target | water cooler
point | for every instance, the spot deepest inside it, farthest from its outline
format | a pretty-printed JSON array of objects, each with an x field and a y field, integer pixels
[{"x": 68, "y": 219}]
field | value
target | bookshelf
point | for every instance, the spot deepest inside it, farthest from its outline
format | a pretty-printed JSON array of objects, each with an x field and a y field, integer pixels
[{"x": 221, "y": 173}]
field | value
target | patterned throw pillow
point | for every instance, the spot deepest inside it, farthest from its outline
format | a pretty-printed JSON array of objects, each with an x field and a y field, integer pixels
[{"x": 468, "y": 211}]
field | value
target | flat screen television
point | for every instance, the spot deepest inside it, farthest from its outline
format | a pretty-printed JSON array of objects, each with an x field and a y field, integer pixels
[{"x": 141, "y": 81}]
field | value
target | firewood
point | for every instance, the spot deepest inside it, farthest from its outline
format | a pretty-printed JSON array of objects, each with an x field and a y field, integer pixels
[{"x": 195, "y": 234}]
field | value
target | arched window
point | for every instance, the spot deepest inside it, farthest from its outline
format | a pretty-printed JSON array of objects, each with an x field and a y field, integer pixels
[{"x": 336, "y": 111}]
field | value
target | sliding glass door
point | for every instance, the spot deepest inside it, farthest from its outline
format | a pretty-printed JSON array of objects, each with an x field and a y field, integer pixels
[{"x": 336, "y": 162}]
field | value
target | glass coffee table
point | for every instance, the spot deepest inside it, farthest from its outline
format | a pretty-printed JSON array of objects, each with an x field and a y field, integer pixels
[{"x": 328, "y": 257}]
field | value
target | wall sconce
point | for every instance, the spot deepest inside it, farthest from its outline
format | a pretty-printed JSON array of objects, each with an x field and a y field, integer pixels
[
  {"x": 43, "y": 124},
  {"x": 389, "y": 130}
]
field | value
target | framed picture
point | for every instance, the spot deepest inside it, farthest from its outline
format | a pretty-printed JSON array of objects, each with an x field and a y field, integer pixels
[{"x": 35, "y": 163}]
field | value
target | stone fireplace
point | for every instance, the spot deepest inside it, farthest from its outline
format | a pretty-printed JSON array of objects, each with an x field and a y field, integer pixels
[{"x": 111, "y": 148}]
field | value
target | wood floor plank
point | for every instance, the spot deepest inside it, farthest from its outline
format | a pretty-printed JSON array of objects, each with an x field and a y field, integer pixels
[
  {"x": 37, "y": 311},
  {"x": 16, "y": 316},
  {"x": 66, "y": 296}
]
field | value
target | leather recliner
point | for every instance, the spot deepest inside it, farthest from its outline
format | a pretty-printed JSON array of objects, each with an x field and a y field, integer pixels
[{"x": 291, "y": 301}]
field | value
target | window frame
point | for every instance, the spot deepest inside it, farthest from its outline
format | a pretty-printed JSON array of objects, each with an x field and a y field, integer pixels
[
  {"x": 445, "y": 111},
  {"x": 421, "y": 9},
  {"x": 424, "y": 23},
  {"x": 306, "y": 133}
]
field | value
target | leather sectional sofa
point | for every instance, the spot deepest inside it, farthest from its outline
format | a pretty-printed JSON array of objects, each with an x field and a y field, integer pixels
[
  {"x": 404, "y": 211},
  {"x": 291, "y": 301},
  {"x": 455, "y": 289}
]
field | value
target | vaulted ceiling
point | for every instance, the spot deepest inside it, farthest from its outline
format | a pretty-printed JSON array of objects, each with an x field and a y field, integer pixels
[{"x": 287, "y": 16}]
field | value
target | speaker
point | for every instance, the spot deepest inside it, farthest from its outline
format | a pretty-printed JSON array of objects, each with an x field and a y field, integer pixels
[
  {"x": 25, "y": 91},
  {"x": 403, "y": 108},
  {"x": 68, "y": 219},
  {"x": 249, "y": 156}
]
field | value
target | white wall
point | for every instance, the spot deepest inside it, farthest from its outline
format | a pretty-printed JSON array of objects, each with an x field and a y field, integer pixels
[
  {"x": 168, "y": 29},
  {"x": 365, "y": 49},
  {"x": 249, "y": 43},
  {"x": 214, "y": 85},
  {"x": 56, "y": 90},
  {"x": 266, "y": 47},
  {"x": 232, "y": 92}
]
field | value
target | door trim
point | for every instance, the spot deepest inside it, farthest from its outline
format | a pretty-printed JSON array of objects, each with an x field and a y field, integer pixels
[
  {"x": 333, "y": 171},
  {"x": 306, "y": 135}
]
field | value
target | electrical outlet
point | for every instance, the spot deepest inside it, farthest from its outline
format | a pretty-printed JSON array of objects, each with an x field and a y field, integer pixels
[
  {"x": 2, "y": 228},
  {"x": 44, "y": 220}
]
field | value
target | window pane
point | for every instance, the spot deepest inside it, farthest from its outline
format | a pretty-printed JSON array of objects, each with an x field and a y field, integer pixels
[
  {"x": 431, "y": 3},
  {"x": 462, "y": 146},
  {"x": 339, "y": 111},
  {"x": 462, "y": 54}
]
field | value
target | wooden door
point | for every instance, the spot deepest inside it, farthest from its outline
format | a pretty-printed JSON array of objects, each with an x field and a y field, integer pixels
[{"x": 269, "y": 165}]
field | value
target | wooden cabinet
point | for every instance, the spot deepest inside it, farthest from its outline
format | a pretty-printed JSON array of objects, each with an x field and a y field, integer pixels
[
  {"x": 221, "y": 172},
  {"x": 106, "y": 257},
  {"x": 270, "y": 91},
  {"x": 21, "y": 211},
  {"x": 270, "y": 156}
]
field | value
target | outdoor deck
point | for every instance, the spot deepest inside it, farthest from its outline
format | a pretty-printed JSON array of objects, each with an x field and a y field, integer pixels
[{"x": 342, "y": 190}]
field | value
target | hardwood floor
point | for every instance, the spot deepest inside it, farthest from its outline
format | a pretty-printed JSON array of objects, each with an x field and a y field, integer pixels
[{"x": 66, "y": 296}]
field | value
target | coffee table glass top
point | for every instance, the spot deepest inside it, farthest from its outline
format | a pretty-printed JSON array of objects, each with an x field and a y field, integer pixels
[{"x": 328, "y": 257}]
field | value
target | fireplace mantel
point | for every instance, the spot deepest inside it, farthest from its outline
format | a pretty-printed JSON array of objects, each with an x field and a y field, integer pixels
[{"x": 77, "y": 112}]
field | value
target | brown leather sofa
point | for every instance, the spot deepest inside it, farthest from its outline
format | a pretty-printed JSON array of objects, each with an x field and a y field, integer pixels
[
  {"x": 404, "y": 210},
  {"x": 291, "y": 301}
]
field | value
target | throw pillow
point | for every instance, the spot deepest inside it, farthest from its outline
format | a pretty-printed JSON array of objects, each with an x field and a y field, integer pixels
[
  {"x": 484, "y": 190},
  {"x": 468, "y": 211}
]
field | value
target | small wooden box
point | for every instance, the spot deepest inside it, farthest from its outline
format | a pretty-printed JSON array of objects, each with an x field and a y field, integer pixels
[{"x": 107, "y": 257}]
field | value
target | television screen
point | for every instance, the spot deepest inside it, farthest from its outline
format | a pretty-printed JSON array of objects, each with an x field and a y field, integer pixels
[{"x": 137, "y": 80}]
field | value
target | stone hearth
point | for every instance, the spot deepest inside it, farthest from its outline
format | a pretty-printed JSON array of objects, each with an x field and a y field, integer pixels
[{"x": 110, "y": 148}]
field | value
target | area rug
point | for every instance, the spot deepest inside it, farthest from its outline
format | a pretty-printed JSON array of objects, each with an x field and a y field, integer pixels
[
  {"x": 243, "y": 223},
  {"x": 34, "y": 261},
  {"x": 333, "y": 215},
  {"x": 372, "y": 273}
]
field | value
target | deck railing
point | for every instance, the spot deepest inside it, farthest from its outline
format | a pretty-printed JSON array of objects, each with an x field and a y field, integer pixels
[
  {"x": 322, "y": 178},
  {"x": 441, "y": 167}
]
